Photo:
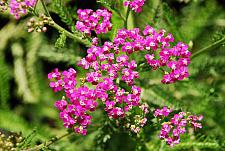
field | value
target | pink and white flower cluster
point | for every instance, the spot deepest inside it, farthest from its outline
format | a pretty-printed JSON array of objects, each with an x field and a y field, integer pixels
[
  {"x": 172, "y": 129},
  {"x": 107, "y": 70},
  {"x": 135, "y": 5},
  {"x": 20, "y": 7},
  {"x": 106, "y": 59},
  {"x": 98, "y": 21},
  {"x": 79, "y": 101},
  {"x": 172, "y": 60},
  {"x": 110, "y": 65}
]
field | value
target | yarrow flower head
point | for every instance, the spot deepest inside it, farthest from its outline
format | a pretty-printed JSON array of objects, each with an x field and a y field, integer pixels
[
  {"x": 98, "y": 21},
  {"x": 173, "y": 61},
  {"x": 177, "y": 125},
  {"x": 135, "y": 5},
  {"x": 79, "y": 101},
  {"x": 162, "y": 112},
  {"x": 20, "y": 7},
  {"x": 112, "y": 73},
  {"x": 109, "y": 65}
]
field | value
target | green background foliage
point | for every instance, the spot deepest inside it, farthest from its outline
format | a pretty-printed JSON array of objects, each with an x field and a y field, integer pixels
[{"x": 27, "y": 103}]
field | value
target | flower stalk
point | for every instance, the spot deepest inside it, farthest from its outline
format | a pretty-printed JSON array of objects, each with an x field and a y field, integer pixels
[
  {"x": 208, "y": 48},
  {"x": 48, "y": 143},
  {"x": 126, "y": 19}
]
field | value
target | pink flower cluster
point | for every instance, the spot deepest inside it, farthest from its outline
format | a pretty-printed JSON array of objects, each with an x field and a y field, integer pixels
[
  {"x": 173, "y": 61},
  {"x": 110, "y": 65},
  {"x": 171, "y": 130},
  {"x": 135, "y": 5},
  {"x": 138, "y": 120},
  {"x": 98, "y": 21},
  {"x": 20, "y": 7},
  {"x": 74, "y": 112},
  {"x": 82, "y": 100},
  {"x": 107, "y": 69},
  {"x": 162, "y": 112},
  {"x": 106, "y": 59}
]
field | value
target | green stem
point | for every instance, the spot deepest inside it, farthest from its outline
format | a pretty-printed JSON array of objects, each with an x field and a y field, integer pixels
[
  {"x": 118, "y": 12},
  {"x": 210, "y": 47},
  {"x": 48, "y": 143},
  {"x": 127, "y": 16},
  {"x": 45, "y": 8},
  {"x": 99, "y": 39},
  {"x": 77, "y": 36},
  {"x": 86, "y": 42},
  {"x": 199, "y": 145}
]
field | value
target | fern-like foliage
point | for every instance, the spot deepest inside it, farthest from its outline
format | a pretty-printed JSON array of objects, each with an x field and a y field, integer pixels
[
  {"x": 113, "y": 4},
  {"x": 32, "y": 66},
  {"x": 152, "y": 14},
  {"x": 65, "y": 13},
  {"x": 4, "y": 84},
  {"x": 60, "y": 42},
  {"x": 56, "y": 57},
  {"x": 21, "y": 75},
  {"x": 170, "y": 20},
  {"x": 197, "y": 15},
  {"x": 27, "y": 140},
  {"x": 199, "y": 145}
]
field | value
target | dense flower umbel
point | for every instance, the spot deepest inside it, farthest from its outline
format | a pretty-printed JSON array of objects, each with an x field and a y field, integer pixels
[
  {"x": 172, "y": 129},
  {"x": 110, "y": 64},
  {"x": 135, "y": 5},
  {"x": 20, "y": 7},
  {"x": 173, "y": 61},
  {"x": 81, "y": 100},
  {"x": 98, "y": 21},
  {"x": 108, "y": 69}
]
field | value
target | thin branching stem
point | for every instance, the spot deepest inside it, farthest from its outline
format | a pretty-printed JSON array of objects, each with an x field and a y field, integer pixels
[
  {"x": 127, "y": 17},
  {"x": 45, "y": 8},
  {"x": 121, "y": 16},
  {"x": 48, "y": 143},
  {"x": 200, "y": 145},
  {"x": 86, "y": 42},
  {"x": 207, "y": 48}
]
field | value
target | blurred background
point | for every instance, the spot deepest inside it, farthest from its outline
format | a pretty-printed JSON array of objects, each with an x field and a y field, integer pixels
[{"x": 27, "y": 102}]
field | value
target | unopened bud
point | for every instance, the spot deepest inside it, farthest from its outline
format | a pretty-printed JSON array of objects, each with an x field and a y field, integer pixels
[
  {"x": 44, "y": 29},
  {"x": 30, "y": 29},
  {"x": 41, "y": 23},
  {"x": 32, "y": 20},
  {"x": 29, "y": 24},
  {"x": 39, "y": 30}
]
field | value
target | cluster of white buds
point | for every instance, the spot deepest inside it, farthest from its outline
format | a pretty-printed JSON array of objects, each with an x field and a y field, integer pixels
[
  {"x": 3, "y": 5},
  {"x": 10, "y": 142},
  {"x": 39, "y": 24}
]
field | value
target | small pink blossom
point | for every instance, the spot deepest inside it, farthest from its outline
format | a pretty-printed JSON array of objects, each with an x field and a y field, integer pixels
[
  {"x": 135, "y": 5},
  {"x": 20, "y": 8},
  {"x": 177, "y": 125},
  {"x": 98, "y": 21}
]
